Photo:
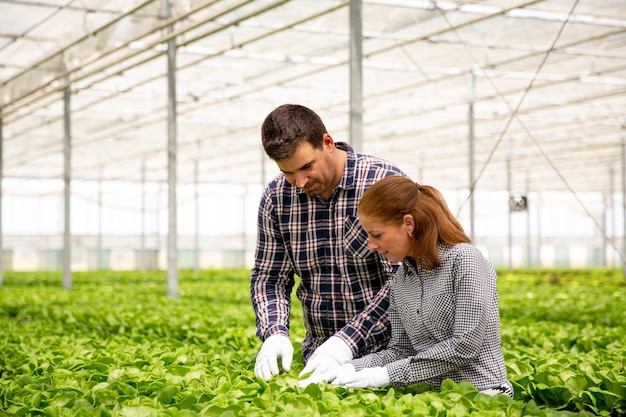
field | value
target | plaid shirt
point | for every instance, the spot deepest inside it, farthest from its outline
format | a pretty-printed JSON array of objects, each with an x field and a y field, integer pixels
[
  {"x": 323, "y": 243},
  {"x": 445, "y": 323}
]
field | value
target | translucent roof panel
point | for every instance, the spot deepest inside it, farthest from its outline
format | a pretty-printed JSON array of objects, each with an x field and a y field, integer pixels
[{"x": 535, "y": 88}]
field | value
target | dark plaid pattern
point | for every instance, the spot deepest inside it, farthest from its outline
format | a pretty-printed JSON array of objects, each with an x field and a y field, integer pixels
[{"x": 324, "y": 244}]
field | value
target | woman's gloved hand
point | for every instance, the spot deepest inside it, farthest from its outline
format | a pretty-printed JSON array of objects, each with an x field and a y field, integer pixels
[
  {"x": 329, "y": 356},
  {"x": 348, "y": 377}
]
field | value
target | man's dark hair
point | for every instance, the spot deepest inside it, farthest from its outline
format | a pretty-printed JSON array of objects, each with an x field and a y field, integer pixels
[{"x": 288, "y": 126}]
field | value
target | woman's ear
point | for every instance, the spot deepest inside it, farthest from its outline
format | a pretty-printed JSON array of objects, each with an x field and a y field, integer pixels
[{"x": 409, "y": 224}]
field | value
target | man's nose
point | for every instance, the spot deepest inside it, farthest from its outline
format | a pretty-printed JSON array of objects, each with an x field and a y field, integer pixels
[{"x": 301, "y": 180}]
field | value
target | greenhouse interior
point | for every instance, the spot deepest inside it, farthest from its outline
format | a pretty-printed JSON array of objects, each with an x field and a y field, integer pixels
[
  {"x": 123, "y": 121},
  {"x": 132, "y": 174}
]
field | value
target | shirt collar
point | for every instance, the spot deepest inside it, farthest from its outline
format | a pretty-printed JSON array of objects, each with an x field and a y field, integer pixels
[
  {"x": 349, "y": 170},
  {"x": 442, "y": 251}
]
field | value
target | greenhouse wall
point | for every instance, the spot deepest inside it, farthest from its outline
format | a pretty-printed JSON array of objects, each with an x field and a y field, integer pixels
[
  {"x": 217, "y": 227},
  {"x": 89, "y": 259}
]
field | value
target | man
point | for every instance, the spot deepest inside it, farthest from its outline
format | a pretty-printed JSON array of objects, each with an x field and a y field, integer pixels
[{"x": 307, "y": 226}]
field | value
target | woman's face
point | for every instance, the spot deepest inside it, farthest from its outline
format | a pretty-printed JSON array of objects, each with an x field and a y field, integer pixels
[{"x": 391, "y": 241}]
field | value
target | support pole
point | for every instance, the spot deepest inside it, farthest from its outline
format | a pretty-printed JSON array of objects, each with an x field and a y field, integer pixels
[
  {"x": 196, "y": 199},
  {"x": 67, "y": 174},
  {"x": 609, "y": 210},
  {"x": 172, "y": 238},
  {"x": 356, "y": 76},
  {"x": 143, "y": 254},
  {"x": 472, "y": 82},
  {"x": 528, "y": 228},
  {"x": 100, "y": 255},
  {"x": 1, "y": 181},
  {"x": 510, "y": 231},
  {"x": 623, "y": 254},
  {"x": 263, "y": 167},
  {"x": 537, "y": 206},
  {"x": 420, "y": 168}
]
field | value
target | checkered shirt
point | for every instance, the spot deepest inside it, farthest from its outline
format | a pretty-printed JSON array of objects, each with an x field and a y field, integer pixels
[
  {"x": 323, "y": 243},
  {"x": 445, "y": 323}
]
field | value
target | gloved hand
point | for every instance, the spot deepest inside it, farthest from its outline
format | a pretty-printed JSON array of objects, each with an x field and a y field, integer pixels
[
  {"x": 274, "y": 347},
  {"x": 348, "y": 377},
  {"x": 328, "y": 356},
  {"x": 318, "y": 377}
]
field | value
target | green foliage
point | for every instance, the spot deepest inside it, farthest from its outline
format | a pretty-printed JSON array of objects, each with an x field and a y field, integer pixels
[
  {"x": 564, "y": 337},
  {"x": 116, "y": 345}
]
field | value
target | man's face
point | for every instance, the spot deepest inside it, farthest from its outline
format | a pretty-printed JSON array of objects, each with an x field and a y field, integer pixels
[{"x": 312, "y": 170}]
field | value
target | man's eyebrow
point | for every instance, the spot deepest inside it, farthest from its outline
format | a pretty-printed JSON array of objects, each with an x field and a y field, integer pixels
[{"x": 308, "y": 164}]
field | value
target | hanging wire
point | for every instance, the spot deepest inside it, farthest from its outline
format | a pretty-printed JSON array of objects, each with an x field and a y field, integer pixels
[
  {"x": 513, "y": 112},
  {"x": 514, "y": 115}
]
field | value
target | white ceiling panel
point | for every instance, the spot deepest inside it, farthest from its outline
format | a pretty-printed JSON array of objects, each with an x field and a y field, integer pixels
[{"x": 546, "y": 81}]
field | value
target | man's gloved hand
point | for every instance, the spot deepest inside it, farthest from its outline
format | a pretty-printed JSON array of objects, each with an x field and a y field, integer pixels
[
  {"x": 348, "y": 377},
  {"x": 274, "y": 347},
  {"x": 328, "y": 356}
]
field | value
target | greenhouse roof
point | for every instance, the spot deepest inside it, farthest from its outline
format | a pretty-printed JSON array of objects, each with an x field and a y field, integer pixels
[{"x": 535, "y": 88}]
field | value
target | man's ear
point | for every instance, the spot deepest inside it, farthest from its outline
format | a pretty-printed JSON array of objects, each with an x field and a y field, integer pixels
[{"x": 328, "y": 142}]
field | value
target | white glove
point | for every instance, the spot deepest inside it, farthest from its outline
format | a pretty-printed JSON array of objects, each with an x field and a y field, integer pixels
[
  {"x": 274, "y": 347},
  {"x": 328, "y": 356},
  {"x": 318, "y": 377},
  {"x": 348, "y": 377}
]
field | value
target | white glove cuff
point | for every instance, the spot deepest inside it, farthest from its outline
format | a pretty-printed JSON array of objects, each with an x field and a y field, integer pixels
[
  {"x": 340, "y": 348},
  {"x": 380, "y": 377}
]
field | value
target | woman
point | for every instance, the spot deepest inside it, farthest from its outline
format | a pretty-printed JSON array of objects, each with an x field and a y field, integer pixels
[{"x": 443, "y": 299}]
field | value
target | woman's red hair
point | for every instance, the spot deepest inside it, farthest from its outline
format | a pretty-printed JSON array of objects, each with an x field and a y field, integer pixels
[{"x": 391, "y": 198}]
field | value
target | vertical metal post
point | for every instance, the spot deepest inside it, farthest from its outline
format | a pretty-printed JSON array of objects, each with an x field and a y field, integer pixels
[
  {"x": 609, "y": 209},
  {"x": 67, "y": 159},
  {"x": 623, "y": 254},
  {"x": 356, "y": 76},
  {"x": 263, "y": 167},
  {"x": 538, "y": 227},
  {"x": 100, "y": 255},
  {"x": 172, "y": 238},
  {"x": 472, "y": 82},
  {"x": 158, "y": 239},
  {"x": 605, "y": 225},
  {"x": 528, "y": 240},
  {"x": 420, "y": 168},
  {"x": 1, "y": 181},
  {"x": 510, "y": 231},
  {"x": 143, "y": 254},
  {"x": 196, "y": 236}
]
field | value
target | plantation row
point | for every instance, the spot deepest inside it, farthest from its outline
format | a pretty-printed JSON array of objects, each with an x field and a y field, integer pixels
[{"x": 116, "y": 345}]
